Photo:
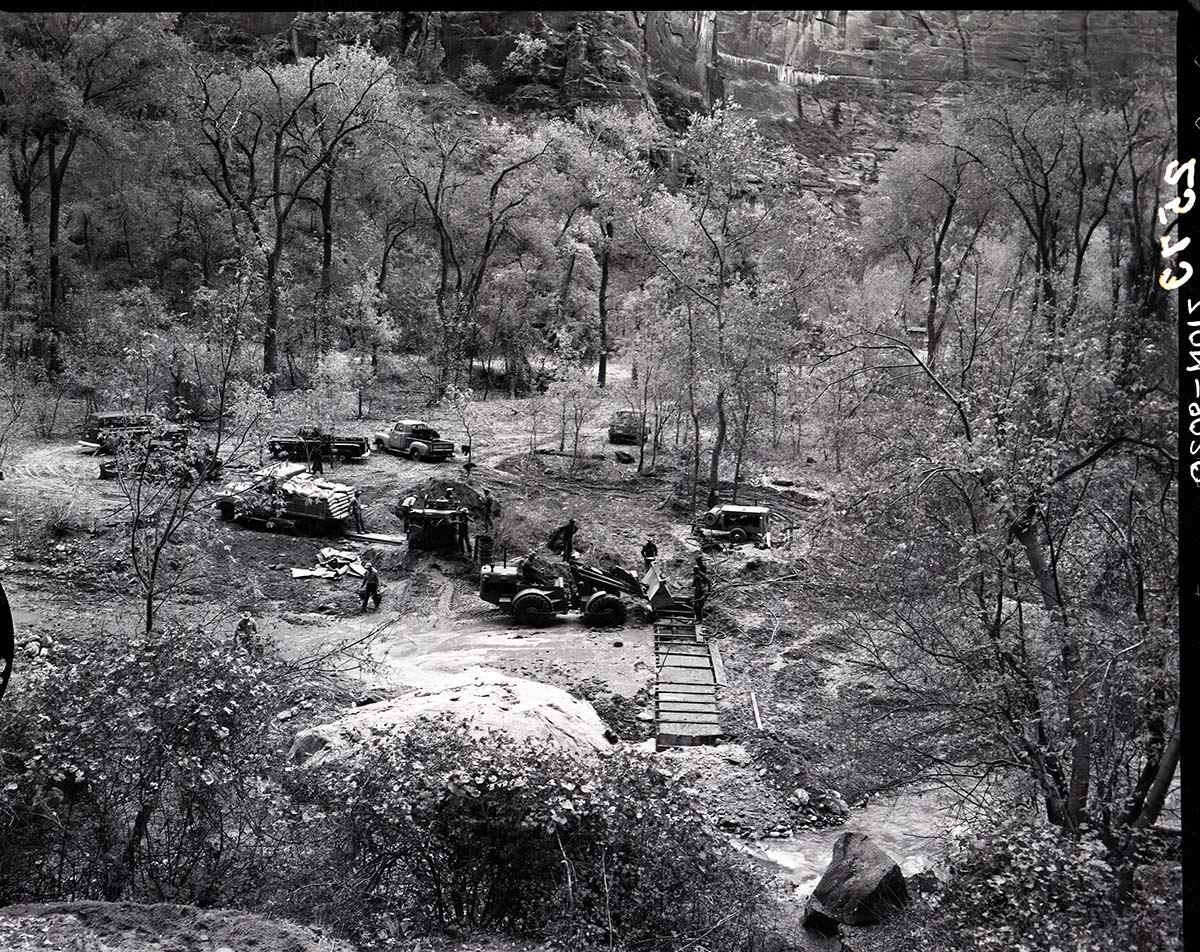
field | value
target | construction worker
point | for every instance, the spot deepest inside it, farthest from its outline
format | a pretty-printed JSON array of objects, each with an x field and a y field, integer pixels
[
  {"x": 315, "y": 464},
  {"x": 356, "y": 510},
  {"x": 407, "y": 504},
  {"x": 568, "y": 539},
  {"x": 247, "y": 635},
  {"x": 487, "y": 510},
  {"x": 649, "y": 552},
  {"x": 701, "y": 586},
  {"x": 463, "y": 540},
  {"x": 370, "y": 587}
]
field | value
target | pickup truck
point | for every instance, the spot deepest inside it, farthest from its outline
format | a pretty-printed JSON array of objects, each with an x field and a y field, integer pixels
[
  {"x": 415, "y": 439},
  {"x": 309, "y": 438}
]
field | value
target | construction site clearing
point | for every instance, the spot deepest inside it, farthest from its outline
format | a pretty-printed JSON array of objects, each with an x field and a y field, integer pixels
[{"x": 294, "y": 556}]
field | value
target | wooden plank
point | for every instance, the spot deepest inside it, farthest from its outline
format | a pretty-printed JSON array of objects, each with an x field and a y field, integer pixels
[
  {"x": 717, "y": 664},
  {"x": 682, "y": 736},
  {"x": 683, "y": 661},
  {"x": 693, "y": 651},
  {"x": 686, "y": 676},
  {"x": 690, "y": 687},
  {"x": 676, "y": 697},
  {"x": 671, "y": 728},
  {"x": 376, "y": 537},
  {"x": 687, "y": 717}
]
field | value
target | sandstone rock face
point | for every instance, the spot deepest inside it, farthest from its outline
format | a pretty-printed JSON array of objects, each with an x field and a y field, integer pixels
[
  {"x": 487, "y": 700},
  {"x": 861, "y": 886},
  {"x": 840, "y": 86}
]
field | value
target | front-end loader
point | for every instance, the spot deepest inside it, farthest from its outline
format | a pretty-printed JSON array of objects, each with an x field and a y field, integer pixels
[{"x": 535, "y": 594}]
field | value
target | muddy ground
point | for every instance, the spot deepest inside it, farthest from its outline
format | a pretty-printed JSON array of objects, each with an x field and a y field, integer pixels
[{"x": 67, "y": 576}]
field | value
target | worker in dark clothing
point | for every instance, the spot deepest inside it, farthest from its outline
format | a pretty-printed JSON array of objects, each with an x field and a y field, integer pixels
[
  {"x": 370, "y": 587},
  {"x": 701, "y": 586},
  {"x": 649, "y": 552},
  {"x": 463, "y": 540},
  {"x": 315, "y": 463},
  {"x": 356, "y": 510},
  {"x": 247, "y": 635},
  {"x": 487, "y": 510},
  {"x": 568, "y": 539}
]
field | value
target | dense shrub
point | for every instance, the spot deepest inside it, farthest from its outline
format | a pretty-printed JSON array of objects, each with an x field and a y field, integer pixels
[
  {"x": 448, "y": 831},
  {"x": 140, "y": 769},
  {"x": 1037, "y": 889}
]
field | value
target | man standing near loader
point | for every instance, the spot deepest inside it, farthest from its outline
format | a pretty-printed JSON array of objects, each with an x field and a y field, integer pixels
[
  {"x": 568, "y": 539},
  {"x": 649, "y": 553},
  {"x": 487, "y": 510}
]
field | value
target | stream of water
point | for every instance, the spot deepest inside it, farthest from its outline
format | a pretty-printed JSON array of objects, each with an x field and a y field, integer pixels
[{"x": 913, "y": 827}]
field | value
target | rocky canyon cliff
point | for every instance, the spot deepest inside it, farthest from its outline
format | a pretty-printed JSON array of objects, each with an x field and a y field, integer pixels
[{"x": 841, "y": 86}]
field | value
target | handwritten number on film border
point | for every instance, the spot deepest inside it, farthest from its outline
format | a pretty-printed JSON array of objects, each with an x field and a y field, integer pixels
[{"x": 1167, "y": 280}]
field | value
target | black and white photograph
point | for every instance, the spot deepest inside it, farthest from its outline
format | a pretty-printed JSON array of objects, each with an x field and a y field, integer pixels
[{"x": 597, "y": 481}]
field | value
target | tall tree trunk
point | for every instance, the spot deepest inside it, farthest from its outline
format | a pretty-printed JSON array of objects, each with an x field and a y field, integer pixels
[
  {"x": 935, "y": 286},
  {"x": 1079, "y": 723},
  {"x": 270, "y": 341},
  {"x": 55, "y": 217},
  {"x": 603, "y": 369},
  {"x": 326, "y": 259},
  {"x": 718, "y": 447}
]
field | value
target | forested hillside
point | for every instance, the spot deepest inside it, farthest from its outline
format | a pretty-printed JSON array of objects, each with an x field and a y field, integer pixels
[{"x": 913, "y": 311}]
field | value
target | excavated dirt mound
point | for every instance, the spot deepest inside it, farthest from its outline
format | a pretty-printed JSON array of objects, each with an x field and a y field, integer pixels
[
  {"x": 435, "y": 488},
  {"x": 135, "y": 927}
]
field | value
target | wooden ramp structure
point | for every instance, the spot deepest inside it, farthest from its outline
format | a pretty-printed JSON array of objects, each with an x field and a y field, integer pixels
[{"x": 688, "y": 671}]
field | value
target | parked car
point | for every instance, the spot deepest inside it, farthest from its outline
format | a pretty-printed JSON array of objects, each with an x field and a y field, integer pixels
[
  {"x": 415, "y": 439},
  {"x": 104, "y": 430}
]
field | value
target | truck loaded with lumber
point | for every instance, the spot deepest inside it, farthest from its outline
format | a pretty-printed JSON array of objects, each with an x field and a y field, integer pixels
[
  {"x": 311, "y": 439},
  {"x": 286, "y": 497}
]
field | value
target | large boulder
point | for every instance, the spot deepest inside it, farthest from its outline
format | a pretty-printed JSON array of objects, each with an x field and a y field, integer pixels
[
  {"x": 861, "y": 886},
  {"x": 486, "y": 700}
]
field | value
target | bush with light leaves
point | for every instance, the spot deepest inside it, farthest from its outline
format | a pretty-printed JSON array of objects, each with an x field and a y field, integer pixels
[
  {"x": 144, "y": 769},
  {"x": 447, "y": 830}
]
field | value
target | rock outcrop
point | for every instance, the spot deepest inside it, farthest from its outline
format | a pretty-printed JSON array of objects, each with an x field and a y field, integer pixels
[
  {"x": 487, "y": 700},
  {"x": 840, "y": 86},
  {"x": 861, "y": 886}
]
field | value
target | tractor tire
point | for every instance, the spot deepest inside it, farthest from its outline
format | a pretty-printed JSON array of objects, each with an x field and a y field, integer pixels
[
  {"x": 737, "y": 536},
  {"x": 341, "y": 459},
  {"x": 533, "y": 609},
  {"x": 710, "y": 520},
  {"x": 606, "y": 611}
]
